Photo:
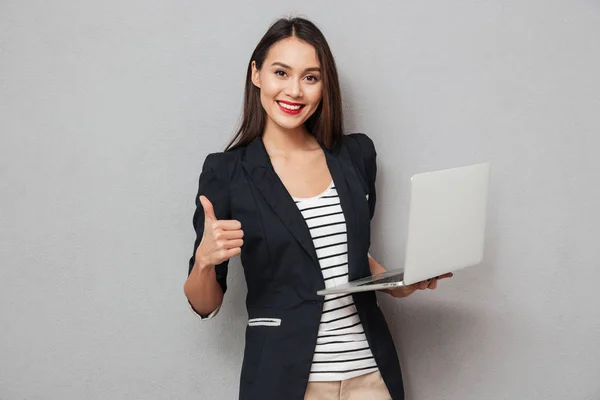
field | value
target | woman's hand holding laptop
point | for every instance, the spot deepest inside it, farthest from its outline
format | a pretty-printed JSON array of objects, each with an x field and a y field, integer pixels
[{"x": 405, "y": 291}]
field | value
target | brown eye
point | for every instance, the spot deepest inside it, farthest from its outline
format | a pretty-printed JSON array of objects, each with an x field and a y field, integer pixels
[{"x": 280, "y": 73}]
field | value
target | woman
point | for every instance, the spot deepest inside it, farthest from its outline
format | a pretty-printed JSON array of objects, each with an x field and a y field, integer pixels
[{"x": 294, "y": 196}]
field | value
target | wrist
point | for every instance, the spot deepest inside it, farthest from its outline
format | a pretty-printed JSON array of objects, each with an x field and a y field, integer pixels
[{"x": 202, "y": 265}]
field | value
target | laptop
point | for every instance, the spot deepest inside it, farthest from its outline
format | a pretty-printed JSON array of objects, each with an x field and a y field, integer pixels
[{"x": 446, "y": 228}]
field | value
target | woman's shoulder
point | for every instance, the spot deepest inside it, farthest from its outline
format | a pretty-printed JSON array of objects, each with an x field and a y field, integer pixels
[
  {"x": 364, "y": 142},
  {"x": 216, "y": 159},
  {"x": 223, "y": 161}
]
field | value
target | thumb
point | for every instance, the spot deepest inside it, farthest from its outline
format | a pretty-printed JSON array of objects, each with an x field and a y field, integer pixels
[{"x": 209, "y": 211}]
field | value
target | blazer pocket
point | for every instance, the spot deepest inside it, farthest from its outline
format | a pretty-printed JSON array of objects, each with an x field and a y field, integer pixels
[{"x": 264, "y": 322}]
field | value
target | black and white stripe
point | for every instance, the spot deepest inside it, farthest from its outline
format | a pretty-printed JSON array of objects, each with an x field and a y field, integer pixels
[{"x": 342, "y": 351}]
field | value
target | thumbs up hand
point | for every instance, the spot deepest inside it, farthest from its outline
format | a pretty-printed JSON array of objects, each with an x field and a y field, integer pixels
[{"x": 221, "y": 239}]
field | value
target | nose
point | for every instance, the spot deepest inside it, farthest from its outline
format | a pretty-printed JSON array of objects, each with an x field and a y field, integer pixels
[{"x": 293, "y": 88}]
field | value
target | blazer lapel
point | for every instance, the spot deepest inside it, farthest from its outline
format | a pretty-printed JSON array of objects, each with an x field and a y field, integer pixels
[
  {"x": 260, "y": 170},
  {"x": 350, "y": 192}
]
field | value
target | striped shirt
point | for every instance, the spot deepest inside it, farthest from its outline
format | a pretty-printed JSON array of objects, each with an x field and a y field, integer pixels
[{"x": 342, "y": 350}]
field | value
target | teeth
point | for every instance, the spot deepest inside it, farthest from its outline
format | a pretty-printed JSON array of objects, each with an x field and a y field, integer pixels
[{"x": 287, "y": 106}]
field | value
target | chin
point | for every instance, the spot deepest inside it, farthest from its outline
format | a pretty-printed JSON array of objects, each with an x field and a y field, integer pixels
[{"x": 288, "y": 124}]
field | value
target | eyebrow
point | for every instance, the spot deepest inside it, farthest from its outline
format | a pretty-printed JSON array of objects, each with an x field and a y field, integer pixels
[{"x": 317, "y": 69}]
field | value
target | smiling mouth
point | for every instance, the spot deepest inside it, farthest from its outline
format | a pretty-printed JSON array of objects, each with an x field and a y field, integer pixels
[{"x": 292, "y": 108}]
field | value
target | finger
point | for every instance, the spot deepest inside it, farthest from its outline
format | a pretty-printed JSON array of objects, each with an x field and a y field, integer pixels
[
  {"x": 448, "y": 275},
  {"x": 423, "y": 285},
  {"x": 410, "y": 288},
  {"x": 433, "y": 284},
  {"x": 229, "y": 235},
  {"x": 231, "y": 244},
  {"x": 402, "y": 291},
  {"x": 227, "y": 254},
  {"x": 227, "y": 225},
  {"x": 209, "y": 212}
]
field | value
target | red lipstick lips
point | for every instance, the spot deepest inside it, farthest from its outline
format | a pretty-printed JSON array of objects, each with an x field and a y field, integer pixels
[{"x": 290, "y": 108}]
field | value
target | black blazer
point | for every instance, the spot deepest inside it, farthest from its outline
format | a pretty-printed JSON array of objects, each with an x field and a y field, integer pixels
[{"x": 281, "y": 266}]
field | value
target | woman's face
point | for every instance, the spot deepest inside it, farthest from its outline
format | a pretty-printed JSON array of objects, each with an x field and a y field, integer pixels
[{"x": 289, "y": 82}]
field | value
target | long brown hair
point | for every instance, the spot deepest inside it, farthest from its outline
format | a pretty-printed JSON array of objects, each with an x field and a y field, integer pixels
[{"x": 326, "y": 124}]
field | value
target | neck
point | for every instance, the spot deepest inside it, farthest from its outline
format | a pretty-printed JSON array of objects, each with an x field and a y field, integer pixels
[{"x": 284, "y": 140}]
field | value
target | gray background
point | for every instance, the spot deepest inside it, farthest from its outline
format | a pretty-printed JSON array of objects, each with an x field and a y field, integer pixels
[{"x": 109, "y": 108}]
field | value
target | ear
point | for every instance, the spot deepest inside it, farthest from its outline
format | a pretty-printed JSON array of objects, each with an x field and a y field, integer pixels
[{"x": 255, "y": 75}]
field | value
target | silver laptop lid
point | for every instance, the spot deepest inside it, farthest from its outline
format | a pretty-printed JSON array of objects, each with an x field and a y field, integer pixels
[{"x": 447, "y": 216}]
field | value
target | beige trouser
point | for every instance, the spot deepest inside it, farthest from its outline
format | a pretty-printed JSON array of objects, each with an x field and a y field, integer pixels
[{"x": 364, "y": 387}]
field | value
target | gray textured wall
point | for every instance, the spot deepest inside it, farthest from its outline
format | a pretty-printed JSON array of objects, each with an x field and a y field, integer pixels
[{"x": 107, "y": 110}]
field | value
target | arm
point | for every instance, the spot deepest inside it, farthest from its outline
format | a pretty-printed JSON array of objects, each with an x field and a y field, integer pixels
[
  {"x": 375, "y": 267},
  {"x": 203, "y": 290},
  {"x": 221, "y": 240},
  {"x": 217, "y": 240}
]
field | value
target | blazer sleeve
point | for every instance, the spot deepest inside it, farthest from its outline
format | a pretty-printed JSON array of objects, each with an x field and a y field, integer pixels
[
  {"x": 214, "y": 184},
  {"x": 369, "y": 156}
]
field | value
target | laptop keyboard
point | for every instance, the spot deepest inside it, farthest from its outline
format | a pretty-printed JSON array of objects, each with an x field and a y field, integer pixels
[{"x": 389, "y": 279}]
